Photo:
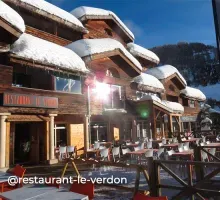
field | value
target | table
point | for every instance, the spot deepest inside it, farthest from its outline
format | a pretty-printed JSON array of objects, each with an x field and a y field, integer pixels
[
  {"x": 191, "y": 140},
  {"x": 212, "y": 145},
  {"x": 4, "y": 177},
  {"x": 172, "y": 145},
  {"x": 140, "y": 152},
  {"x": 187, "y": 154},
  {"x": 40, "y": 192},
  {"x": 132, "y": 145}
]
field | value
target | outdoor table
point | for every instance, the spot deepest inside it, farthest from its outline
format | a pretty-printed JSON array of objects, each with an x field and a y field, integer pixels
[
  {"x": 4, "y": 177},
  {"x": 212, "y": 145},
  {"x": 191, "y": 140},
  {"x": 40, "y": 192},
  {"x": 186, "y": 154},
  {"x": 92, "y": 151},
  {"x": 172, "y": 145},
  {"x": 140, "y": 152}
]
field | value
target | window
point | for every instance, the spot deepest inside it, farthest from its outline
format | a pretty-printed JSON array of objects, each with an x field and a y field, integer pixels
[
  {"x": 172, "y": 98},
  {"x": 191, "y": 103},
  {"x": 185, "y": 102},
  {"x": 21, "y": 80},
  {"x": 71, "y": 84},
  {"x": 114, "y": 99}
]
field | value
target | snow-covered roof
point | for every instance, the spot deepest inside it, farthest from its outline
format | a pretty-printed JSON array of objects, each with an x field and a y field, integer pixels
[
  {"x": 12, "y": 17},
  {"x": 193, "y": 93},
  {"x": 48, "y": 53},
  {"x": 87, "y": 47},
  {"x": 148, "y": 82},
  {"x": 175, "y": 107},
  {"x": 115, "y": 110},
  {"x": 163, "y": 72},
  {"x": 139, "y": 51},
  {"x": 206, "y": 120},
  {"x": 172, "y": 107},
  {"x": 43, "y": 7},
  {"x": 98, "y": 13}
]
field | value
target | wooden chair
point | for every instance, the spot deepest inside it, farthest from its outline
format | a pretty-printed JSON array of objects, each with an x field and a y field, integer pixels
[
  {"x": 140, "y": 196},
  {"x": 85, "y": 189},
  {"x": 18, "y": 171}
]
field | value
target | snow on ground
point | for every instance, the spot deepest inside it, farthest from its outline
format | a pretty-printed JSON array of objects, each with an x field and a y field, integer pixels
[
  {"x": 11, "y": 16},
  {"x": 107, "y": 193}
]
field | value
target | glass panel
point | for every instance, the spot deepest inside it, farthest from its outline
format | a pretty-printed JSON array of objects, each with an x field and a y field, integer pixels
[{"x": 72, "y": 84}]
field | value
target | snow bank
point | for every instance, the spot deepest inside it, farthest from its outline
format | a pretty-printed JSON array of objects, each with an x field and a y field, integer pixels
[
  {"x": 137, "y": 50},
  {"x": 52, "y": 10},
  {"x": 148, "y": 80},
  {"x": 98, "y": 13},
  {"x": 87, "y": 47},
  {"x": 11, "y": 16},
  {"x": 175, "y": 107},
  {"x": 193, "y": 93},
  {"x": 165, "y": 71},
  {"x": 36, "y": 49}
]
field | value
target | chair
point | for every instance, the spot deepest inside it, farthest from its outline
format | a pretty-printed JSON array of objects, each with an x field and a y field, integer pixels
[
  {"x": 125, "y": 151},
  {"x": 213, "y": 152},
  {"x": 85, "y": 189},
  {"x": 183, "y": 139},
  {"x": 171, "y": 152},
  {"x": 180, "y": 149},
  {"x": 149, "y": 145},
  {"x": 175, "y": 140},
  {"x": 204, "y": 139},
  {"x": 70, "y": 150},
  {"x": 180, "y": 145},
  {"x": 96, "y": 145},
  {"x": 137, "y": 142},
  {"x": 104, "y": 153},
  {"x": 19, "y": 171},
  {"x": 160, "y": 144},
  {"x": 141, "y": 145},
  {"x": 204, "y": 156},
  {"x": 202, "y": 144},
  {"x": 140, "y": 196},
  {"x": 186, "y": 146},
  {"x": 164, "y": 141},
  {"x": 197, "y": 141},
  {"x": 149, "y": 153},
  {"x": 102, "y": 147},
  {"x": 137, "y": 148},
  {"x": 115, "y": 152},
  {"x": 128, "y": 143},
  {"x": 159, "y": 152},
  {"x": 62, "y": 151},
  {"x": 208, "y": 142}
]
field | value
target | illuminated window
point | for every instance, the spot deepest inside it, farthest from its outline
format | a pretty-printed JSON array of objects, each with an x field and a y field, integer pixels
[{"x": 191, "y": 103}]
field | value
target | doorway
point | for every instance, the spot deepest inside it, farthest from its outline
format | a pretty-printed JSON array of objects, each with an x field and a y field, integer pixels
[{"x": 22, "y": 144}]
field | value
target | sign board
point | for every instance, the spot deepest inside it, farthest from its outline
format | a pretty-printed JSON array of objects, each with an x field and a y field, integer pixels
[
  {"x": 30, "y": 101},
  {"x": 188, "y": 118}
]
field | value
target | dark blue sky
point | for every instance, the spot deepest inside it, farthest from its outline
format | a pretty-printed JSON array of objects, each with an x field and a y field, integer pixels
[{"x": 158, "y": 22}]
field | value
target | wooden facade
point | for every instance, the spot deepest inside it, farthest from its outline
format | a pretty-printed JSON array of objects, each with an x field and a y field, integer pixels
[{"x": 118, "y": 118}]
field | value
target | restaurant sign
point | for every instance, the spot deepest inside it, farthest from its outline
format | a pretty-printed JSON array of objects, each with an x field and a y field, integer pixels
[
  {"x": 30, "y": 101},
  {"x": 188, "y": 118}
]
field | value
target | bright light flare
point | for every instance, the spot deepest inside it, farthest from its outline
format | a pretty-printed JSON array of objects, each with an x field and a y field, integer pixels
[{"x": 102, "y": 90}]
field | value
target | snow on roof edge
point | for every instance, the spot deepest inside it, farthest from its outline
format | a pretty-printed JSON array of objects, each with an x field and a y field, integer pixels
[
  {"x": 82, "y": 11},
  {"x": 12, "y": 17},
  {"x": 142, "y": 52},
  {"x": 193, "y": 93},
  {"x": 48, "y": 53},
  {"x": 86, "y": 47}
]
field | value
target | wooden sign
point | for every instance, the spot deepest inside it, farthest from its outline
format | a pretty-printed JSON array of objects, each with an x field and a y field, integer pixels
[{"x": 30, "y": 101}]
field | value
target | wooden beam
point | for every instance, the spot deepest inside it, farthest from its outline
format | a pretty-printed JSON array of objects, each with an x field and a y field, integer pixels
[{"x": 10, "y": 28}]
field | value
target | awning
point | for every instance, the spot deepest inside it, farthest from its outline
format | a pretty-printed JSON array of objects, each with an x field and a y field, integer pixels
[{"x": 27, "y": 118}]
